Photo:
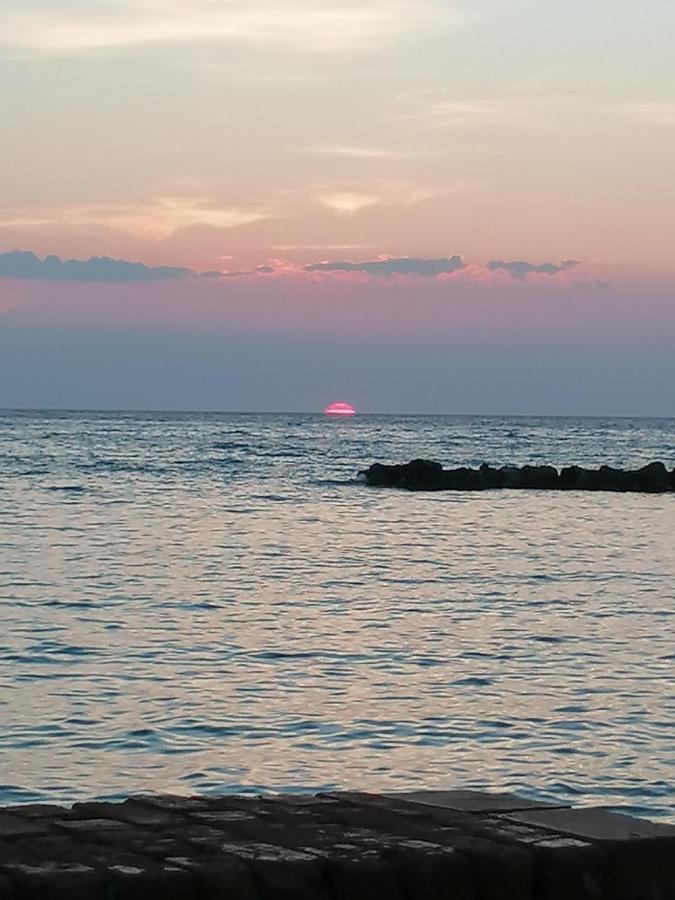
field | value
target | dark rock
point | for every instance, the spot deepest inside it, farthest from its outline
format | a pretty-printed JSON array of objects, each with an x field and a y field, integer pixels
[
  {"x": 379, "y": 475},
  {"x": 429, "y": 870},
  {"x": 361, "y": 875},
  {"x": 591, "y": 480},
  {"x": 48, "y": 880},
  {"x": 513, "y": 477},
  {"x": 418, "y": 475},
  {"x": 423, "y": 475},
  {"x": 13, "y": 827},
  {"x": 540, "y": 477},
  {"x": 279, "y": 872},
  {"x": 219, "y": 877},
  {"x": 462, "y": 480},
  {"x": 569, "y": 478},
  {"x": 616, "y": 479},
  {"x": 492, "y": 478},
  {"x": 130, "y": 811},
  {"x": 39, "y": 811},
  {"x": 654, "y": 478},
  {"x": 157, "y": 882}
]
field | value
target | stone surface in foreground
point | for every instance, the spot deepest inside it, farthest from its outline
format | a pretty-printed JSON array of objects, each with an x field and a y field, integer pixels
[{"x": 459, "y": 845}]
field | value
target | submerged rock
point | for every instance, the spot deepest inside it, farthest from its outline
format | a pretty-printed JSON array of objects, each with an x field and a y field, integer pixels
[{"x": 425, "y": 475}]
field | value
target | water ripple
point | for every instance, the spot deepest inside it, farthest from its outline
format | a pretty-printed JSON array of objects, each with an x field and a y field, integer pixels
[{"x": 213, "y": 603}]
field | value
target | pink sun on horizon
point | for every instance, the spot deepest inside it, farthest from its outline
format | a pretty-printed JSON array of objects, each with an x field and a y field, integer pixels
[{"x": 341, "y": 409}]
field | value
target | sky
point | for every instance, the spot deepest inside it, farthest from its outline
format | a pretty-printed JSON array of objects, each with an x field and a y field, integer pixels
[{"x": 411, "y": 205}]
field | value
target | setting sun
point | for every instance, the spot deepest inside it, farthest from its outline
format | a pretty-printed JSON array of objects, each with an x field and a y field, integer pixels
[{"x": 340, "y": 409}]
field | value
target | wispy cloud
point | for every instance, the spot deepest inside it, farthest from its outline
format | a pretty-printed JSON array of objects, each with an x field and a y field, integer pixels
[
  {"x": 649, "y": 112},
  {"x": 286, "y": 248},
  {"x": 437, "y": 109},
  {"x": 349, "y": 152},
  {"x": 309, "y": 25},
  {"x": 521, "y": 269},
  {"x": 347, "y": 203},
  {"x": 152, "y": 219},
  {"x": 160, "y": 216},
  {"x": 391, "y": 265},
  {"x": 26, "y": 265}
]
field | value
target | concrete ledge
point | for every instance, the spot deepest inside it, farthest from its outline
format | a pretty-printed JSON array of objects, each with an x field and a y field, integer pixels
[
  {"x": 423, "y": 845},
  {"x": 472, "y": 801}
]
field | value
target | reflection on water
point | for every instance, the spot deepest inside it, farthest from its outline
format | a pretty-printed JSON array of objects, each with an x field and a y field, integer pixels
[{"x": 207, "y": 603}]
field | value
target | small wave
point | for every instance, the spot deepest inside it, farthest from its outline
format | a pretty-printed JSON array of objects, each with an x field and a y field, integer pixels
[
  {"x": 67, "y": 488},
  {"x": 473, "y": 681},
  {"x": 336, "y": 482},
  {"x": 201, "y": 463},
  {"x": 113, "y": 465}
]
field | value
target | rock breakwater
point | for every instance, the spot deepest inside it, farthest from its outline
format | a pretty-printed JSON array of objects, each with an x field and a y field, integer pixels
[{"x": 424, "y": 475}]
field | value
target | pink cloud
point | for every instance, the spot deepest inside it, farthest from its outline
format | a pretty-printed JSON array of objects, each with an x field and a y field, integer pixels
[
  {"x": 402, "y": 269},
  {"x": 468, "y": 305}
]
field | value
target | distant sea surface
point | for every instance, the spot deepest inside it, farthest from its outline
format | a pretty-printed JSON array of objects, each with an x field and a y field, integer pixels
[{"x": 202, "y": 603}]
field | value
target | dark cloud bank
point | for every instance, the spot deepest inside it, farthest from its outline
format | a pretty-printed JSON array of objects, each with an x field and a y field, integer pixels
[
  {"x": 26, "y": 265},
  {"x": 520, "y": 269},
  {"x": 103, "y": 269}
]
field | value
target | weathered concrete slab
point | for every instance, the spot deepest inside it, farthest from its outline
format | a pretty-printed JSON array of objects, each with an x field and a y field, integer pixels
[
  {"x": 595, "y": 824},
  {"x": 428, "y": 845},
  {"x": 471, "y": 801},
  {"x": 638, "y": 856}
]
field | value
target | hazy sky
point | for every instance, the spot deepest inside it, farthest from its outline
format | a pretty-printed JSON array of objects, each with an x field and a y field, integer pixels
[{"x": 408, "y": 204}]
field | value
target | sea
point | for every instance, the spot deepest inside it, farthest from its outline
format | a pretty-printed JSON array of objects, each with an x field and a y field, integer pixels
[{"x": 199, "y": 603}]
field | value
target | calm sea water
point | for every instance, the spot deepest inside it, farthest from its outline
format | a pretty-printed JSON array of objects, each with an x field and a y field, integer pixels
[{"x": 205, "y": 603}]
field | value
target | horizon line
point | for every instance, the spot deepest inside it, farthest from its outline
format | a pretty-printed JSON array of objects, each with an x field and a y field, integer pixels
[{"x": 321, "y": 414}]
